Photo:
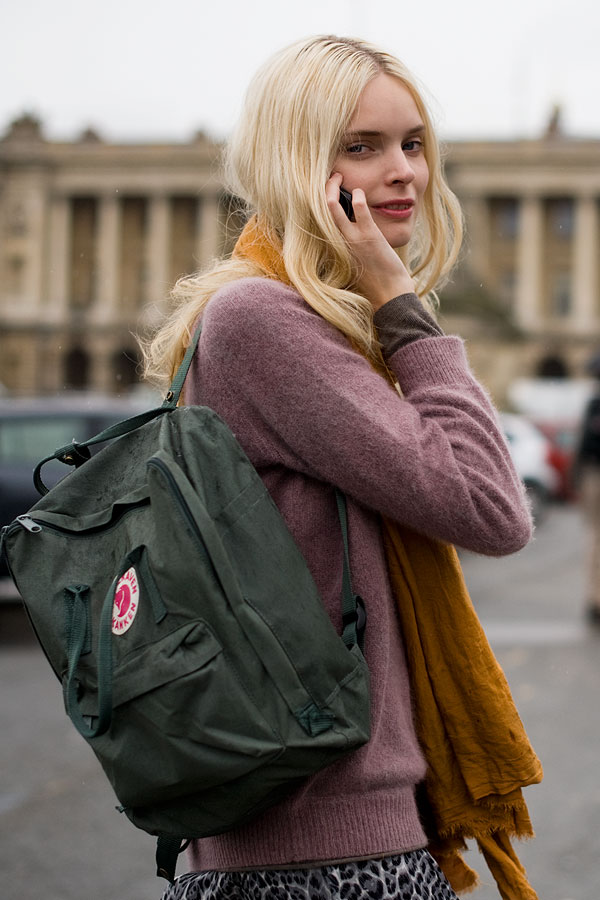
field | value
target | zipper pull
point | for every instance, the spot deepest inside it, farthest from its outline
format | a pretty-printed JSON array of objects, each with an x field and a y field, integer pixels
[{"x": 28, "y": 524}]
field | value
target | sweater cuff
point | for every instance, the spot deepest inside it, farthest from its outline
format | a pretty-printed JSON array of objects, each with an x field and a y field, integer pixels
[{"x": 403, "y": 320}]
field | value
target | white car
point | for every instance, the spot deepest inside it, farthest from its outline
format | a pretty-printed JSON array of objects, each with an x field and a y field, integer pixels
[{"x": 531, "y": 452}]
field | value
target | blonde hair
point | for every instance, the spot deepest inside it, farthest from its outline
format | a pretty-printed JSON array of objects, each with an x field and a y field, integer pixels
[{"x": 297, "y": 109}]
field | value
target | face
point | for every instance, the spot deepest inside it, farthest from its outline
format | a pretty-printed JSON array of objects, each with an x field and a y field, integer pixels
[{"x": 383, "y": 153}]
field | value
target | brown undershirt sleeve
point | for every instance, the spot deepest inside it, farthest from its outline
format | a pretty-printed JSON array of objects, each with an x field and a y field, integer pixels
[{"x": 402, "y": 320}]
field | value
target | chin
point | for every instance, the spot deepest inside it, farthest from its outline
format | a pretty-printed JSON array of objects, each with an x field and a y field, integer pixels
[
  {"x": 397, "y": 237},
  {"x": 398, "y": 242}
]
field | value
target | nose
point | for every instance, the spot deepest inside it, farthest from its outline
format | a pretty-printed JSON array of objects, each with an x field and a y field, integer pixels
[{"x": 399, "y": 170}]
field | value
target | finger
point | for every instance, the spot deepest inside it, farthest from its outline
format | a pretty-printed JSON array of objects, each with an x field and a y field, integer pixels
[
  {"x": 369, "y": 231},
  {"x": 332, "y": 196},
  {"x": 333, "y": 185},
  {"x": 362, "y": 213}
]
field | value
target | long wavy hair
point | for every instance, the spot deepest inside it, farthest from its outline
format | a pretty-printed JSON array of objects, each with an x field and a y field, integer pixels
[{"x": 297, "y": 109}]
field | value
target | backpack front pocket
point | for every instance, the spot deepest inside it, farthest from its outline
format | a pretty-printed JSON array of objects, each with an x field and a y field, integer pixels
[{"x": 212, "y": 731}]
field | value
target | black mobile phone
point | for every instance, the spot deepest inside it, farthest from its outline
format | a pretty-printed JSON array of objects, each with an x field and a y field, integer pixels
[{"x": 346, "y": 203}]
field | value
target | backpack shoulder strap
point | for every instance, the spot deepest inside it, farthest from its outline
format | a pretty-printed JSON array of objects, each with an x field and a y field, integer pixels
[
  {"x": 76, "y": 453},
  {"x": 174, "y": 392}
]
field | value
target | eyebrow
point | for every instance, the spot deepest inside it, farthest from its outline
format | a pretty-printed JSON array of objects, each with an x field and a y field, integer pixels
[{"x": 352, "y": 135}]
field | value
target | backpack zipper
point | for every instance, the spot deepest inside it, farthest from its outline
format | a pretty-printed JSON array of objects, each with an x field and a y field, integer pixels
[
  {"x": 186, "y": 512},
  {"x": 29, "y": 524},
  {"x": 179, "y": 498},
  {"x": 14, "y": 526},
  {"x": 34, "y": 526}
]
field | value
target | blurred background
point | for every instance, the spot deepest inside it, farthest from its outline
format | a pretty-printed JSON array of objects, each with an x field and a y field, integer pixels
[{"x": 112, "y": 122}]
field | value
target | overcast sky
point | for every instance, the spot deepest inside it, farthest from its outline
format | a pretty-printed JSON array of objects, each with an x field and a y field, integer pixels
[{"x": 139, "y": 70}]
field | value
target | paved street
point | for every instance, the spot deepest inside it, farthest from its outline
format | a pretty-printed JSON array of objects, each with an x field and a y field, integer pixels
[
  {"x": 531, "y": 607},
  {"x": 62, "y": 839}
]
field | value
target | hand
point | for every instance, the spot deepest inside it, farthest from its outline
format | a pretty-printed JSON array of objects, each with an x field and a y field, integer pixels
[{"x": 382, "y": 274}]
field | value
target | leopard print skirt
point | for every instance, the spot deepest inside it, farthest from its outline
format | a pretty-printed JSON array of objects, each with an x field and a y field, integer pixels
[{"x": 409, "y": 876}]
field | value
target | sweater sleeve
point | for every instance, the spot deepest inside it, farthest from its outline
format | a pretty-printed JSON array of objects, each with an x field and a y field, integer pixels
[
  {"x": 403, "y": 320},
  {"x": 434, "y": 459}
]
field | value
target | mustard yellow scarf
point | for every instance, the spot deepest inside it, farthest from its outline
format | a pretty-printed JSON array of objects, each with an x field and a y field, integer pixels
[{"x": 478, "y": 754}]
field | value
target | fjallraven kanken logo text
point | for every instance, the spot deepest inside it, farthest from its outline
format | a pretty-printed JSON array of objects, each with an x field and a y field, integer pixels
[{"x": 127, "y": 598}]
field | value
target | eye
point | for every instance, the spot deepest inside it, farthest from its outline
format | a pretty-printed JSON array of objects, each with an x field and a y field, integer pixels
[
  {"x": 413, "y": 146},
  {"x": 354, "y": 149}
]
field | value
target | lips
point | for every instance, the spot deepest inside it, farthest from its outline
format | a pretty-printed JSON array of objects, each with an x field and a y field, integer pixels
[
  {"x": 395, "y": 210},
  {"x": 395, "y": 205}
]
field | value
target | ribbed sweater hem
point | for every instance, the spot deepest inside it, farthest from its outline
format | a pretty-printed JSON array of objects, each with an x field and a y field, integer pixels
[{"x": 329, "y": 830}]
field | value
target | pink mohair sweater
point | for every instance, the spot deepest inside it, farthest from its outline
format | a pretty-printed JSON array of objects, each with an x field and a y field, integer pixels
[{"x": 310, "y": 413}]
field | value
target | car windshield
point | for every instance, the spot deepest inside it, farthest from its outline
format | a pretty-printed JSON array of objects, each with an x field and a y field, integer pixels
[{"x": 25, "y": 440}]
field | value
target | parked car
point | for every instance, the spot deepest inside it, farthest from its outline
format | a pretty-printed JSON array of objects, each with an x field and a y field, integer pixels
[
  {"x": 564, "y": 436},
  {"x": 557, "y": 407},
  {"x": 31, "y": 429},
  {"x": 531, "y": 452}
]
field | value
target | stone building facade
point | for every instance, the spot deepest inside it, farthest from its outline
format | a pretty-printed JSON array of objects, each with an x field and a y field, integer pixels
[
  {"x": 93, "y": 235},
  {"x": 527, "y": 294}
]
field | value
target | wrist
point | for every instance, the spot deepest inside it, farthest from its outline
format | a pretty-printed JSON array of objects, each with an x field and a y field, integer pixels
[{"x": 384, "y": 293}]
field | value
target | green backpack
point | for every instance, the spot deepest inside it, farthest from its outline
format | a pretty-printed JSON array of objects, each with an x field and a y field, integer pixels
[{"x": 195, "y": 653}]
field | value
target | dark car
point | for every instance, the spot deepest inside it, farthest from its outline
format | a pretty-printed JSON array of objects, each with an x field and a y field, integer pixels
[{"x": 31, "y": 429}]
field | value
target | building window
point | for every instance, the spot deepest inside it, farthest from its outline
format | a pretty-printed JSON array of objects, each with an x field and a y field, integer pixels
[
  {"x": 15, "y": 272},
  {"x": 184, "y": 236},
  {"x": 233, "y": 215},
  {"x": 507, "y": 287},
  {"x": 77, "y": 369},
  {"x": 505, "y": 217},
  {"x": 561, "y": 294},
  {"x": 125, "y": 364},
  {"x": 561, "y": 215},
  {"x": 132, "y": 264},
  {"x": 84, "y": 225}
]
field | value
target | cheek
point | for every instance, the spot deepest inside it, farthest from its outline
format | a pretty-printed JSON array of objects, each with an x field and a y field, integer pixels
[
  {"x": 341, "y": 164},
  {"x": 354, "y": 172},
  {"x": 423, "y": 178}
]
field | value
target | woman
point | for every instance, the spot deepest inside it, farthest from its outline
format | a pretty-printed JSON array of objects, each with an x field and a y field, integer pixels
[{"x": 306, "y": 330}]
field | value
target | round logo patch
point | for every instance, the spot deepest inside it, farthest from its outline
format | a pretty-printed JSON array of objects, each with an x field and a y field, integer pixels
[{"x": 127, "y": 595}]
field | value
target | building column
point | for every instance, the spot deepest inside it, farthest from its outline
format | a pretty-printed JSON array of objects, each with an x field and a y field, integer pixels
[
  {"x": 529, "y": 263},
  {"x": 106, "y": 301},
  {"x": 34, "y": 271},
  {"x": 51, "y": 347},
  {"x": 59, "y": 255},
  {"x": 585, "y": 264},
  {"x": 101, "y": 352},
  {"x": 208, "y": 230},
  {"x": 477, "y": 217},
  {"x": 157, "y": 251}
]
